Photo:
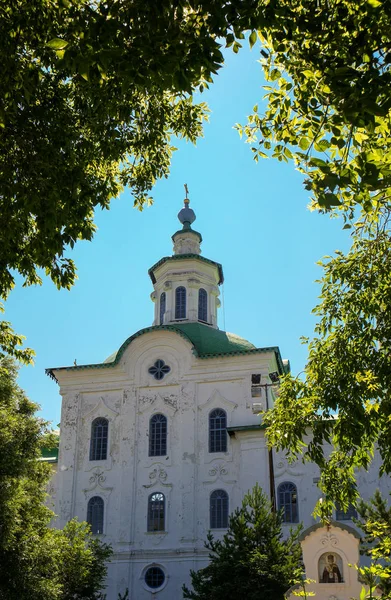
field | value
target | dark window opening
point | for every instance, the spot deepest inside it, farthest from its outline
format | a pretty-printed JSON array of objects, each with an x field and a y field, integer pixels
[
  {"x": 219, "y": 510},
  {"x": 154, "y": 577},
  {"x": 158, "y": 435},
  {"x": 287, "y": 502},
  {"x": 180, "y": 303},
  {"x": 156, "y": 512},
  {"x": 202, "y": 305},
  {"x": 95, "y": 511},
  {"x": 218, "y": 431},
  {"x": 99, "y": 439}
]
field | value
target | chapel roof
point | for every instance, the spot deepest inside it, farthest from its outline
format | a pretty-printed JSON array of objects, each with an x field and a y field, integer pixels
[{"x": 207, "y": 342}]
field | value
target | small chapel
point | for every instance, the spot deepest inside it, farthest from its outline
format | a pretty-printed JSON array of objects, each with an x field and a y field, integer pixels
[{"x": 160, "y": 442}]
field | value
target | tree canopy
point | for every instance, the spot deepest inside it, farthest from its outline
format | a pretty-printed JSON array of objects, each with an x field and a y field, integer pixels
[
  {"x": 252, "y": 556},
  {"x": 328, "y": 110},
  {"x": 92, "y": 94},
  {"x": 37, "y": 562}
]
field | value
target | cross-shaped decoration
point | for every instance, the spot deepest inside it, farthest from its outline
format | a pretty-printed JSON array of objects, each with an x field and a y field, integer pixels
[{"x": 159, "y": 369}]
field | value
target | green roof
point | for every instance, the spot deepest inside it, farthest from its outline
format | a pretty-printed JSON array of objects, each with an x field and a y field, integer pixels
[
  {"x": 255, "y": 427},
  {"x": 207, "y": 342},
  {"x": 49, "y": 455},
  {"x": 186, "y": 256}
]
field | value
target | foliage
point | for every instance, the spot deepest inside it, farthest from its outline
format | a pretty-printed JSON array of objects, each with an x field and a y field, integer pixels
[
  {"x": 37, "y": 562},
  {"x": 329, "y": 99},
  {"x": 251, "y": 557},
  {"x": 348, "y": 372},
  {"x": 90, "y": 100},
  {"x": 301, "y": 590},
  {"x": 375, "y": 522}
]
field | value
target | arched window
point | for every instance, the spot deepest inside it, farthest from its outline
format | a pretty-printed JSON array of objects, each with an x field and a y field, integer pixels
[
  {"x": 95, "y": 512},
  {"x": 218, "y": 431},
  {"x": 156, "y": 512},
  {"x": 158, "y": 435},
  {"x": 180, "y": 303},
  {"x": 99, "y": 438},
  {"x": 219, "y": 509},
  {"x": 287, "y": 501},
  {"x": 162, "y": 307},
  {"x": 202, "y": 305},
  {"x": 341, "y": 515}
]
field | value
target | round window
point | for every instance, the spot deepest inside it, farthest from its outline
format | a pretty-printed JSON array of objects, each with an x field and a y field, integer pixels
[{"x": 154, "y": 577}]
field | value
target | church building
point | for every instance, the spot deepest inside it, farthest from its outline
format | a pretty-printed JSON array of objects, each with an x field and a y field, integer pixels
[{"x": 161, "y": 441}]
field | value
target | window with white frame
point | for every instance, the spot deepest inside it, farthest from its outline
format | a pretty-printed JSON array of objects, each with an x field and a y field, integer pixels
[
  {"x": 99, "y": 439},
  {"x": 219, "y": 509},
  {"x": 287, "y": 502},
  {"x": 158, "y": 435},
  {"x": 218, "y": 430},
  {"x": 156, "y": 512},
  {"x": 95, "y": 514}
]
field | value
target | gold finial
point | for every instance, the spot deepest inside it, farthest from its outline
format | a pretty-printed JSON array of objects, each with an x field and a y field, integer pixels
[{"x": 187, "y": 200}]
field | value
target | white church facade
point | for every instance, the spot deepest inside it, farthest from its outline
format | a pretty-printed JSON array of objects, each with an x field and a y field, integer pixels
[{"x": 160, "y": 442}]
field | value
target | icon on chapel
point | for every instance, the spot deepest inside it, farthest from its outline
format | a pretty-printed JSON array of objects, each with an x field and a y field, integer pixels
[{"x": 330, "y": 568}]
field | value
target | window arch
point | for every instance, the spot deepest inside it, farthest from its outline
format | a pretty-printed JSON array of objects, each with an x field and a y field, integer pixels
[
  {"x": 202, "y": 305},
  {"x": 162, "y": 307},
  {"x": 158, "y": 435},
  {"x": 99, "y": 439},
  {"x": 95, "y": 513},
  {"x": 218, "y": 431},
  {"x": 156, "y": 512},
  {"x": 180, "y": 303},
  {"x": 218, "y": 509},
  {"x": 287, "y": 501}
]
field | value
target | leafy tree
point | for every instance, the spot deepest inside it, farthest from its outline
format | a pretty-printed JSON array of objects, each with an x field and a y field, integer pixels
[
  {"x": 329, "y": 99},
  {"x": 252, "y": 557},
  {"x": 92, "y": 93},
  {"x": 375, "y": 522},
  {"x": 36, "y": 561},
  {"x": 328, "y": 109},
  {"x": 90, "y": 100}
]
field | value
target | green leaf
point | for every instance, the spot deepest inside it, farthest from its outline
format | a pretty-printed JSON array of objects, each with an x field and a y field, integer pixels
[
  {"x": 253, "y": 38},
  {"x": 304, "y": 143},
  {"x": 57, "y": 44},
  {"x": 322, "y": 145},
  {"x": 328, "y": 200}
]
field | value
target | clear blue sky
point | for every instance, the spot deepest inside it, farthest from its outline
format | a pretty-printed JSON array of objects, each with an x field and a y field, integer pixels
[{"x": 253, "y": 219}]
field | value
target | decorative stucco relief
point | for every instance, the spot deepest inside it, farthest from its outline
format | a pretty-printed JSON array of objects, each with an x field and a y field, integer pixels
[
  {"x": 220, "y": 471},
  {"x": 329, "y": 539},
  {"x": 170, "y": 401},
  {"x": 217, "y": 399},
  {"x": 70, "y": 410},
  {"x": 283, "y": 467},
  {"x": 97, "y": 480},
  {"x": 127, "y": 395},
  {"x": 102, "y": 408},
  {"x": 158, "y": 475}
]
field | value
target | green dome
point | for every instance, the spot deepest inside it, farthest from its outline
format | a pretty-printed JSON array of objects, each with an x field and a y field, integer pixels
[
  {"x": 206, "y": 340},
  {"x": 212, "y": 342}
]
